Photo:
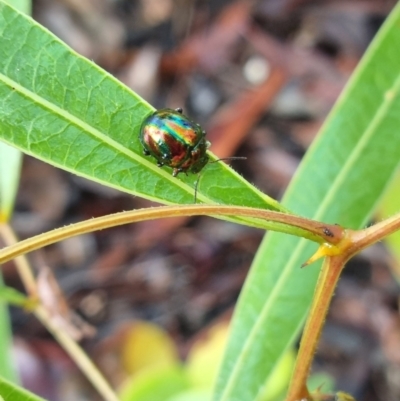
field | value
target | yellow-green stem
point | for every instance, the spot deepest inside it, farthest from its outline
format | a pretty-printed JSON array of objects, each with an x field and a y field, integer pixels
[
  {"x": 352, "y": 242},
  {"x": 24, "y": 270},
  {"x": 78, "y": 355},
  {"x": 368, "y": 236},
  {"x": 295, "y": 225},
  {"x": 64, "y": 339},
  {"x": 326, "y": 285}
]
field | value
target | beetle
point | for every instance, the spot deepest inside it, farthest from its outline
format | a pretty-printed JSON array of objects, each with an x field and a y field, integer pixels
[{"x": 174, "y": 141}]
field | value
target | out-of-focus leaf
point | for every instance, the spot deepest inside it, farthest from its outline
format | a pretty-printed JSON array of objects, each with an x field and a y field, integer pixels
[
  {"x": 14, "y": 297},
  {"x": 154, "y": 384},
  {"x": 278, "y": 381},
  {"x": 145, "y": 345},
  {"x": 192, "y": 395},
  {"x": 10, "y": 392},
  {"x": 10, "y": 165},
  {"x": 322, "y": 382},
  {"x": 7, "y": 368},
  {"x": 205, "y": 356}
]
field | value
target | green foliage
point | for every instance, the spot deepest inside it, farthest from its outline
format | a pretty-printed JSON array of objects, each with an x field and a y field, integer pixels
[
  {"x": 340, "y": 181},
  {"x": 390, "y": 205},
  {"x": 14, "y": 297},
  {"x": 24, "y": 6},
  {"x": 6, "y": 361},
  {"x": 10, "y": 163},
  {"x": 61, "y": 108},
  {"x": 158, "y": 383},
  {"x": 10, "y": 392}
]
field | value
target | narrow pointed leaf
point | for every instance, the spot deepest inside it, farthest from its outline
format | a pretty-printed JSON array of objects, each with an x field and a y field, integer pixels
[
  {"x": 10, "y": 163},
  {"x": 10, "y": 158},
  {"x": 339, "y": 181},
  {"x": 63, "y": 109}
]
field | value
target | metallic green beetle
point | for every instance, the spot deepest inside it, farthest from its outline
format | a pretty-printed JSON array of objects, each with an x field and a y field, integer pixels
[{"x": 175, "y": 141}]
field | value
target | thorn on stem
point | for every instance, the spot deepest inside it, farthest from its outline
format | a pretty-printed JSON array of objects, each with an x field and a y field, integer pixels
[{"x": 323, "y": 250}]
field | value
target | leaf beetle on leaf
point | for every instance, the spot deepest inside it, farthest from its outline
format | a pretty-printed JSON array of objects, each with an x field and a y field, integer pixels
[{"x": 176, "y": 141}]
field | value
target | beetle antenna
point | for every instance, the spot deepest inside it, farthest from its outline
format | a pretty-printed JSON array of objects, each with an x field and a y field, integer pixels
[
  {"x": 229, "y": 158},
  {"x": 196, "y": 185}
]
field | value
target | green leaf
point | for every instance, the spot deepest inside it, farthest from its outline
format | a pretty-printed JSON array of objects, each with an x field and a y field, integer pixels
[
  {"x": 63, "y": 109},
  {"x": 10, "y": 158},
  {"x": 388, "y": 206},
  {"x": 192, "y": 395},
  {"x": 7, "y": 368},
  {"x": 10, "y": 166},
  {"x": 10, "y": 163},
  {"x": 24, "y": 6},
  {"x": 324, "y": 382},
  {"x": 339, "y": 181},
  {"x": 14, "y": 297},
  {"x": 10, "y": 392},
  {"x": 154, "y": 384}
]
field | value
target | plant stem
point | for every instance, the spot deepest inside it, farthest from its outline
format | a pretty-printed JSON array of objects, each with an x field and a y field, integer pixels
[
  {"x": 352, "y": 242},
  {"x": 287, "y": 223},
  {"x": 24, "y": 270},
  {"x": 76, "y": 353},
  {"x": 326, "y": 285},
  {"x": 364, "y": 238}
]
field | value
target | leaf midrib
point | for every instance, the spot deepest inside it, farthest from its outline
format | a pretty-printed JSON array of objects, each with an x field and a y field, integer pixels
[
  {"x": 68, "y": 117},
  {"x": 368, "y": 133},
  {"x": 88, "y": 129}
]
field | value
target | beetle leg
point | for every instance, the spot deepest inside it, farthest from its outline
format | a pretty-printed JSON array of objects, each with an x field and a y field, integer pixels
[
  {"x": 159, "y": 164},
  {"x": 176, "y": 171},
  {"x": 179, "y": 110},
  {"x": 146, "y": 152}
]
